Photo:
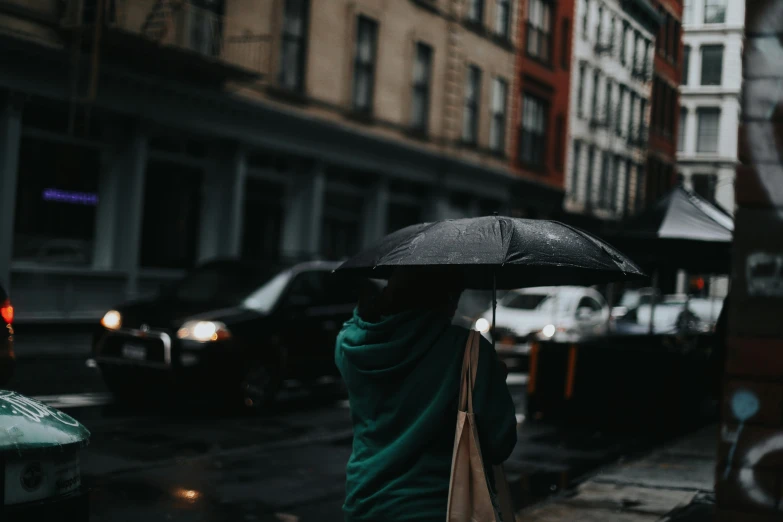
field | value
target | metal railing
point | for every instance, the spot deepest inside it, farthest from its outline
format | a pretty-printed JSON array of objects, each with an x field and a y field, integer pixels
[{"x": 242, "y": 42}]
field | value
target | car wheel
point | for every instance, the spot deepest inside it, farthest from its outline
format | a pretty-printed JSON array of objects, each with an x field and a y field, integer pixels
[{"x": 258, "y": 386}]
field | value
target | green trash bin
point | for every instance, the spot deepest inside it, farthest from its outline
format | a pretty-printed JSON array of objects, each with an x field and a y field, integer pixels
[{"x": 39, "y": 459}]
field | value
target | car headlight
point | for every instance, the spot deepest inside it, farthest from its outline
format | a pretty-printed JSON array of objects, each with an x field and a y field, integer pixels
[
  {"x": 112, "y": 320},
  {"x": 549, "y": 331},
  {"x": 482, "y": 325},
  {"x": 203, "y": 331}
]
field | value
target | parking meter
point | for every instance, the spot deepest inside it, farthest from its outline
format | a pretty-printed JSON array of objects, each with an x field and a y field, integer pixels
[{"x": 39, "y": 459}]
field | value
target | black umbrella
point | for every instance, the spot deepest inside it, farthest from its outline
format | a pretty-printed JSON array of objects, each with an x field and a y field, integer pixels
[{"x": 497, "y": 252}]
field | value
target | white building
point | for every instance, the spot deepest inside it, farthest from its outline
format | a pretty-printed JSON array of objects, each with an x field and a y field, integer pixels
[
  {"x": 709, "y": 97},
  {"x": 610, "y": 105}
]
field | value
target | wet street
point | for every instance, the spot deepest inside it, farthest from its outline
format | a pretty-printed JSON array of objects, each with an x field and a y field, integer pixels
[{"x": 186, "y": 462}]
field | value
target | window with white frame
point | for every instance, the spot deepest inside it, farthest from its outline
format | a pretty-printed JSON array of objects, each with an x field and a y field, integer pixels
[
  {"x": 585, "y": 19},
  {"x": 294, "y": 45},
  {"x": 594, "y": 112},
  {"x": 471, "y": 109},
  {"x": 364, "y": 64},
  {"x": 503, "y": 18},
  {"x": 686, "y": 64},
  {"x": 711, "y": 64},
  {"x": 539, "y": 30},
  {"x": 624, "y": 43},
  {"x": 715, "y": 11},
  {"x": 681, "y": 129},
  {"x": 532, "y": 136},
  {"x": 618, "y": 128},
  {"x": 708, "y": 129},
  {"x": 497, "y": 130},
  {"x": 580, "y": 91},
  {"x": 422, "y": 78},
  {"x": 573, "y": 185},
  {"x": 687, "y": 12}
]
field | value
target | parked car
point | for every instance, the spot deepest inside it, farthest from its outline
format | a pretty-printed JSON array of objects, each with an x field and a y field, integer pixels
[
  {"x": 229, "y": 328},
  {"x": 7, "y": 355},
  {"x": 673, "y": 314},
  {"x": 565, "y": 314}
]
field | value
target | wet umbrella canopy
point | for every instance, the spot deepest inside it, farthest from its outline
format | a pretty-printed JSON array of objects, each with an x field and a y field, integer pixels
[{"x": 499, "y": 252}]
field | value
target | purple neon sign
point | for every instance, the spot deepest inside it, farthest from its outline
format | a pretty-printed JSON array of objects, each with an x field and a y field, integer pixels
[{"x": 68, "y": 196}]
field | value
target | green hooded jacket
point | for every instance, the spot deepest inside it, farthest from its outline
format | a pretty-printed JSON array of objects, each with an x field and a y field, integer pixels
[{"x": 402, "y": 375}]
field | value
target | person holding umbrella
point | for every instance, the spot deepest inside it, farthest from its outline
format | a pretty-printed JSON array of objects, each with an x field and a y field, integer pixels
[
  {"x": 410, "y": 373},
  {"x": 400, "y": 358}
]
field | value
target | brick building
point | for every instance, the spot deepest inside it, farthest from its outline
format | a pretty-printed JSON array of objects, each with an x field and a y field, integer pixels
[
  {"x": 139, "y": 137},
  {"x": 749, "y": 475},
  {"x": 541, "y": 98},
  {"x": 661, "y": 170}
]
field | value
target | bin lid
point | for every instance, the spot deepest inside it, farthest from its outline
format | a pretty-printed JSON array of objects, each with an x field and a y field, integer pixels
[{"x": 29, "y": 426}]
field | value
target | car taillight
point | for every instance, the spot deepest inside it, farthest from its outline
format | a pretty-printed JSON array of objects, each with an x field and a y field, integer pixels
[{"x": 7, "y": 312}]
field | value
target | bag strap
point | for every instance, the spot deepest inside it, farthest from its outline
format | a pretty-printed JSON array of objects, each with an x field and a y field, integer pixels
[{"x": 468, "y": 374}]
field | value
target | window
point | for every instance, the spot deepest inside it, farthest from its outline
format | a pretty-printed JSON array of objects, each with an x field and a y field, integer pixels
[
  {"x": 711, "y": 64},
  {"x": 612, "y": 34},
  {"x": 681, "y": 130},
  {"x": 565, "y": 51},
  {"x": 590, "y": 167},
  {"x": 585, "y": 18},
  {"x": 573, "y": 185},
  {"x": 614, "y": 182},
  {"x": 294, "y": 45},
  {"x": 580, "y": 92},
  {"x": 675, "y": 51},
  {"x": 422, "y": 77},
  {"x": 264, "y": 208},
  {"x": 532, "y": 136},
  {"x": 704, "y": 185},
  {"x": 642, "y": 125},
  {"x": 686, "y": 62},
  {"x": 714, "y": 11},
  {"x": 172, "y": 213},
  {"x": 476, "y": 11},
  {"x": 539, "y": 23},
  {"x": 503, "y": 18},
  {"x": 560, "y": 137},
  {"x": 631, "y": 116},
  {"x": 497, "y": 131},
  {"x": 603, "y": 186},
  {"x": 594, "y": 100},
  {"x": 609, "y": 91},
  {"x": 707, "y": 134},
  {"x": 634, "y": 51},
  {"x": 687, "y": 12},
  {"x": 364, "y": 64},
  {"x": 639, "y": 197},
  {"x": 619, "y": 118},
  {"x": 599, "y": 25},
  {"x": 645, "y": 60},
  {"x": 472, "y": 97},
  {"x": 623, "y": 43}
]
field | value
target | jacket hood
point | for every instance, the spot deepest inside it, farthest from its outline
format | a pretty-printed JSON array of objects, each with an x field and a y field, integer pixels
[{"x": 391, "y": 345}]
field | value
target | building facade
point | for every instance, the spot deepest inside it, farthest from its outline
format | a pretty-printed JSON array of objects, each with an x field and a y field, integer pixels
[
  {"x": 610, "y": 106},
  {"x": 140, "y": 137},
  {"x": 661, "y": 171},
  {"x": 541, "y": 99},
  {"x": 710, "y": 98}
]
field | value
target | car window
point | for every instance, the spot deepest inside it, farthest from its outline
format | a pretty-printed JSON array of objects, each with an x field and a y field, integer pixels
[
  {"x": 308, "y": 289},
  {"x": 589, "y": 302},
  {"x": 267, "y": 295},
  {"x": 524, "y": 301},
  {"x": 221, "y": 284}
]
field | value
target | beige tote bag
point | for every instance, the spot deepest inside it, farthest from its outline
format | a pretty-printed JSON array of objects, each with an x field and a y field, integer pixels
[{"x": 470, "y": 498}]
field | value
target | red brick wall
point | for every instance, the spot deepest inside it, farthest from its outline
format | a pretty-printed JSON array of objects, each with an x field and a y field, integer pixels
[
  {"x": 752, "y": 489},
  {"x": 661, "y": 168},
  {"x": 551, "y": 82}
]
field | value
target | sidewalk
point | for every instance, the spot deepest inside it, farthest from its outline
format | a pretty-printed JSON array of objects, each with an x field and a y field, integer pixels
[{"x": 671, "y": 484}]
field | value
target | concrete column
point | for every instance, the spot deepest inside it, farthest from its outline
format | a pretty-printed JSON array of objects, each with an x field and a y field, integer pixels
[
  {"x": 10, "y": 137},
  {"x": 376, "y": 213},
  {"x": 121, "y": 206},
  {"x": 304, "y": 212},
  {"x": 223, "y": 198}
]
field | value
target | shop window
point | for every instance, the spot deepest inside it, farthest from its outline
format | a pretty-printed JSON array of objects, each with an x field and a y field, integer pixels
[
  {"x": 263, "y": 219},
  {"x": 56, "y": 201},
  {"x": 402, "y": 215},
  {"x": 342, "y": 225},
  {"x": 172, "y": 206}
]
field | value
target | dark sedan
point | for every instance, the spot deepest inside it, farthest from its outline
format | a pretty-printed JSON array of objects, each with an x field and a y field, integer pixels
[
  {"x": 7, "y": 357},
  {"x": 230, "y": 329}
]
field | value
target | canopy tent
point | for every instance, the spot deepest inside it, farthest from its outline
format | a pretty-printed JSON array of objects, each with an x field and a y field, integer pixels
[{"x": 682, "y": 230}]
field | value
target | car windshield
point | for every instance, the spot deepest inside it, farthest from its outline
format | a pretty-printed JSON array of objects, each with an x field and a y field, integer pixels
[
  {"x": 264, "y": 298},
  {"x": 222, "y": 284},
  {"x": 524, "y": 301}
]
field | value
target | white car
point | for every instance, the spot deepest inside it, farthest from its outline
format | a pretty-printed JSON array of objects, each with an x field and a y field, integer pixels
[{"x": 559, "y": 313}]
